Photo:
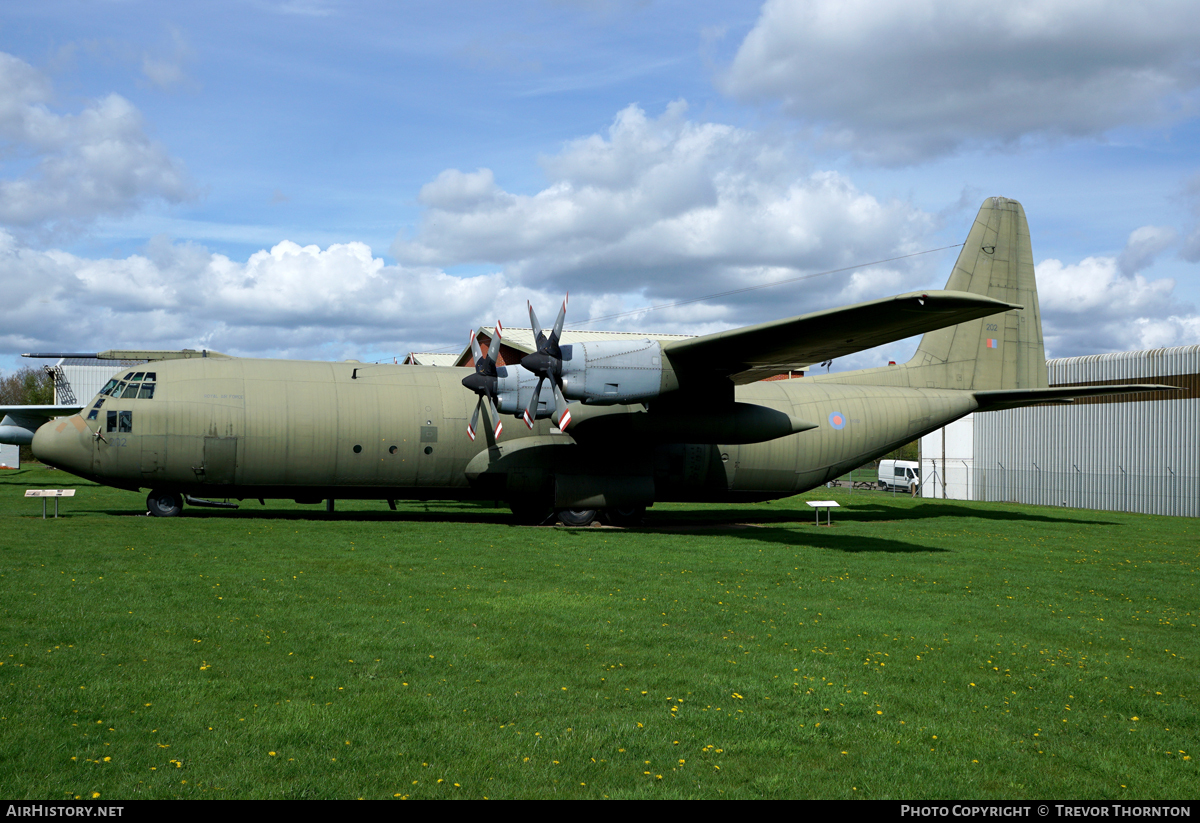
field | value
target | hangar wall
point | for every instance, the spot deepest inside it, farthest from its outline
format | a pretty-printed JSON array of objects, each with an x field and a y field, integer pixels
[
  {"x": 83, "y": 377},
  {"x": 1138, "y": 453}
]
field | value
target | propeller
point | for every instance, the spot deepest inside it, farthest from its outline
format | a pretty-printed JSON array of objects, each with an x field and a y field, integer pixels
[
  {"x": 546, "y": 363},
  {"x": 483, "y": 381}
]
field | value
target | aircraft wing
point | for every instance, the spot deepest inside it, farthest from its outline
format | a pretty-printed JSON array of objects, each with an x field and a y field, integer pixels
[
  {"x": 1016, "y": 398},
  {"x": 753, "y": 353}
]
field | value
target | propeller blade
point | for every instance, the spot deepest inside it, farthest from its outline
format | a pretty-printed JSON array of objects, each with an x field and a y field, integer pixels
[
  {"x": 564, "y": 414},
  {"x": 537, "y": 392},
  {"x": 475, "y": 350},
  {"x": 556, "y": 335},
  {"x": 474, "y": 419},
  {"x": 494, "y": 349},
  {"x": 495, "y": 416},
  {"x": 539, "y": 336}
]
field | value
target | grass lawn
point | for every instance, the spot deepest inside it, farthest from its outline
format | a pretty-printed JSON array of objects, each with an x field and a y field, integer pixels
[{"x": 914, "y": 649}]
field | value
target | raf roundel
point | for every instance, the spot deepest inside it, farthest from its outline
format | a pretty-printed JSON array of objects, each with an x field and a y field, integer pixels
[{"x": 837, "y": 420}]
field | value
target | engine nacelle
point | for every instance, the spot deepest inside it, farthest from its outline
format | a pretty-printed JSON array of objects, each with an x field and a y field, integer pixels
[
  {"x": 514, "y": 387},
  {"x": 615, "y": 371}
]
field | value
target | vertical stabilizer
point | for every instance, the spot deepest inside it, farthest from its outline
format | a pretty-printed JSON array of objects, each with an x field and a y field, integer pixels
[{"x": 1003, "y": 351}]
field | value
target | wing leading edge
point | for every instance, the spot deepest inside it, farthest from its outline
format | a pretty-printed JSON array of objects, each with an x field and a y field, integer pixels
[{"x": 753, "y": 353}]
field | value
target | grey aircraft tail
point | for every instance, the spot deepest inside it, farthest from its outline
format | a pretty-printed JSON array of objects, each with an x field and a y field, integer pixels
[{"x": 1000, "y": 352}]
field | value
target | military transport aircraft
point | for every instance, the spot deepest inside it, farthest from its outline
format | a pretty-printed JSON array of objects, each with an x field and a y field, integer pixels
[{"x": 681, "y": 420}]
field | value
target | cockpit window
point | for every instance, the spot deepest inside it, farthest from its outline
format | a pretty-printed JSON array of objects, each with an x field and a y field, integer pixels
[{"x": 136, "y": 385}]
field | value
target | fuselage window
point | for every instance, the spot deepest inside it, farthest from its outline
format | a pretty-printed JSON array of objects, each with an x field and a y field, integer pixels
[
  {"x": 93, "y": 414},
  {"x": 112, "y": 421}
]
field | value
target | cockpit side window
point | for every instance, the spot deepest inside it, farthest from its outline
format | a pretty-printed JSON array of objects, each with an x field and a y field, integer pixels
[{"x": 120, "y": 421}]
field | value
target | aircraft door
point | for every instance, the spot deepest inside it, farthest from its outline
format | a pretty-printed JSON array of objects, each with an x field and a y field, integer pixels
[
  {"x": 220, "y": 461},
  {"x": 154, "y": 458}
]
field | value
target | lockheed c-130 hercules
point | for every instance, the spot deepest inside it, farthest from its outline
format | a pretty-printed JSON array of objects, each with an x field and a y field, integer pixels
[{"x": 682, "y": 420}]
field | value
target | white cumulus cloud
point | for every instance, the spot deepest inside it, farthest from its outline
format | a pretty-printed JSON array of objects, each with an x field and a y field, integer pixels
[
  {"x": 898, "y": 81},
  {"x": 61, "y": 170},
  {"x": 669, "y": 208},
  {"x": 1103, "y": 304}
]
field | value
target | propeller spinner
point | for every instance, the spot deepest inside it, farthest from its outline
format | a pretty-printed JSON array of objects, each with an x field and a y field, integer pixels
[
  {"x": 546, "y": 363},
  {"x": 483, "y": 381}
]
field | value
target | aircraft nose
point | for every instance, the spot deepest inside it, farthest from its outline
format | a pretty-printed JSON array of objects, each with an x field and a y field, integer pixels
[{"x": 65, "y": 443}]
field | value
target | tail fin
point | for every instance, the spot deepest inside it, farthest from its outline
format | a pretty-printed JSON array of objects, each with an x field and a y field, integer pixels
[{"x": 1003, "y": 351}]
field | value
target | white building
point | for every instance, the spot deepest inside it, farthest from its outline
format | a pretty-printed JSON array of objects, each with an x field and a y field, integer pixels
[{"x": 1122, "y": 453}]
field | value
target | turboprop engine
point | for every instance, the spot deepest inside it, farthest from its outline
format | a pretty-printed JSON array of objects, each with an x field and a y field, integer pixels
[
  {"x": 615, "y": 371},
  {"x": 609, "y": 372}
]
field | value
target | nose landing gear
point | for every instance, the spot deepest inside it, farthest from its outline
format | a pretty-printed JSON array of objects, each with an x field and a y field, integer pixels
[{"x": 164, "y": 503}]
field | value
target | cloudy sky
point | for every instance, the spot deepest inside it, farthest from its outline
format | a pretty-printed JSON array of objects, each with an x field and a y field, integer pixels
[{"x": 330, "y": 180}]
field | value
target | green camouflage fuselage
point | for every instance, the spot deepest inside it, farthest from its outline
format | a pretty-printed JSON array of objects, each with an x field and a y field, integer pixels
[{"x": 267, "y": 428}]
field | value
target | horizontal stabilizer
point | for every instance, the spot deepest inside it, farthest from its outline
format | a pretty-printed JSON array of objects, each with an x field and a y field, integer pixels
[
  {"x": 753, "y": 353},
  {"x": 1016, "y": 398},
  {"x": 181, "y": 354}
]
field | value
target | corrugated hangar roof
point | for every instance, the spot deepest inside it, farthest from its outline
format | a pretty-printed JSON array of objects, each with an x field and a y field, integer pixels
[{"x": 432, "y": 358}]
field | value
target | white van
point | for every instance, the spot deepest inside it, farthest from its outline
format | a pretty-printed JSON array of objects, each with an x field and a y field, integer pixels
[{"x": 899, "y": 474}]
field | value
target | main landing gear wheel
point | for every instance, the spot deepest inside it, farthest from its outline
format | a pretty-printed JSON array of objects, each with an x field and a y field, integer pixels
[
  {"x": 626, "y": 517},
  {"x": 576, "y": 517},
  {"x": 164, "y": 504}
]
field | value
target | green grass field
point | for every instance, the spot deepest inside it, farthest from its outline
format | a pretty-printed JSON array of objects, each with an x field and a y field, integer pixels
[{"x": 912, "y": 650}]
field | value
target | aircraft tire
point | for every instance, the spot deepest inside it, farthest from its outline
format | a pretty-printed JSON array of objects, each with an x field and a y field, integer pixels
[
  {"x": 164, "y": 503},
  {"x": 626, "y": 517},
  {"x": 576, "y": 517}
]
